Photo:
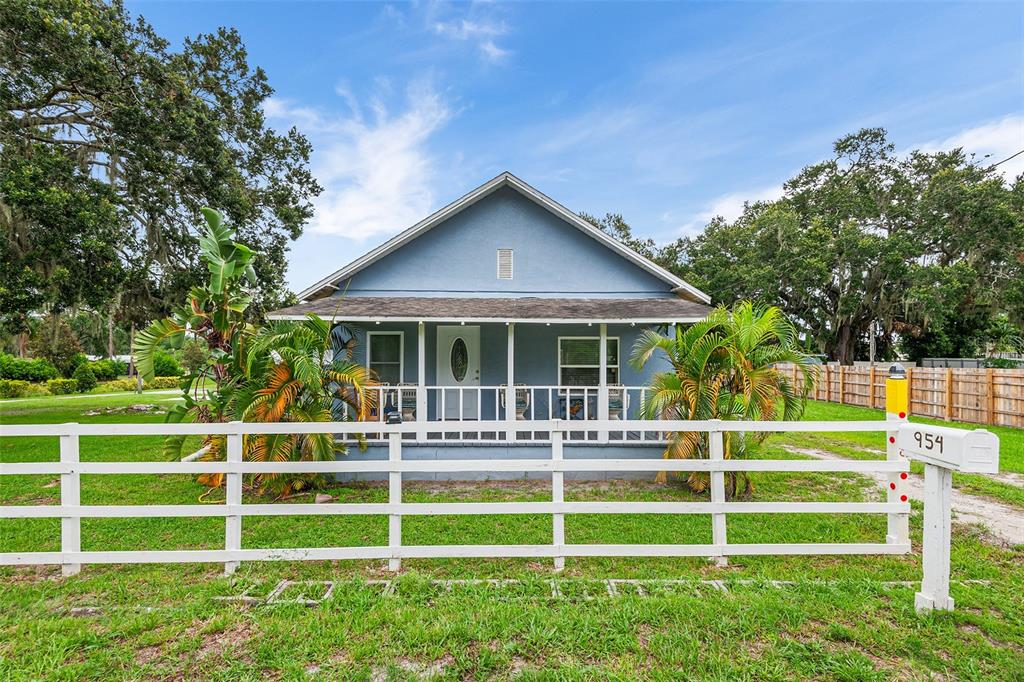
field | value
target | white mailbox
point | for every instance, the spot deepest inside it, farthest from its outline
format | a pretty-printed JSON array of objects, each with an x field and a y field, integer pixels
[{"x": 956, "y": 449}]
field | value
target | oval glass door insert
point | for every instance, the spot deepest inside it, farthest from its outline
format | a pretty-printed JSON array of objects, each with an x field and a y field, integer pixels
[{"x": 459, "y": 359}]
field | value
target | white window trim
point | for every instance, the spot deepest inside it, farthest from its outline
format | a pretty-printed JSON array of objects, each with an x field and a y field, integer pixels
[
  {"x": 618, "y": 356},
  {"x": 511, "y": 263},
  {"x": 401, "y": 350}
]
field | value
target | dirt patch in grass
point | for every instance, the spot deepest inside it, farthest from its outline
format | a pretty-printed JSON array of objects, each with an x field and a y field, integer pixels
[
  {"x": 148, "y": 654},
  {"x": 972, "y": 629},
  {"x": 755, "y": 648},
  {"x": 232, "y": 637},
  {"x": 24, "y": 575},
  {"x": 418, "y": 669}
]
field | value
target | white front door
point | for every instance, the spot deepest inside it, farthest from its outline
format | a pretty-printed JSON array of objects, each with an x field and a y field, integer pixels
[{"x": 458, "y": 366}]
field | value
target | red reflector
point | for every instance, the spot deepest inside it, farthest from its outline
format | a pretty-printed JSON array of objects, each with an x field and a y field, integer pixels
[
  {"x": 903, "y": 498},
  {"x": 893, "y": 486},
  {"x": 903, "y": 415},
  {"x": 892, "y": 439},
  {"x": 904, "y": 475}
]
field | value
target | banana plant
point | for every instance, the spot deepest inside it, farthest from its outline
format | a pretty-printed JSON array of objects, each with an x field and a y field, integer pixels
[
  {"x": 282, "y": 372},
  {"x": 214, "y": 312}
]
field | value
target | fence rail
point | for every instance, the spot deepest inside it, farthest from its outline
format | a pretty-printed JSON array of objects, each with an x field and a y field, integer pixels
[
  {"x": 976, "y": 396},
  {"x": 71, "y": 511}
]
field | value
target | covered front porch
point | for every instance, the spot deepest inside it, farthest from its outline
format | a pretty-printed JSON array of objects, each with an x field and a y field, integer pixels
[
  {"x": 511, "y": 372},
  {"x": 504, "y": 362}
]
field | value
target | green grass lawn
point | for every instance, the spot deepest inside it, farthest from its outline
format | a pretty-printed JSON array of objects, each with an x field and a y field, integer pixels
[
  {"x": 840, "y": 621},
  {"x": 869, "y": 445}
]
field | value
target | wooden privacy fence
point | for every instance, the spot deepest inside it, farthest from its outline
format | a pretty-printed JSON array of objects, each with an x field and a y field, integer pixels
[
  {"x": 976, "y": 396},
  {"x": 70, "y": 511}
]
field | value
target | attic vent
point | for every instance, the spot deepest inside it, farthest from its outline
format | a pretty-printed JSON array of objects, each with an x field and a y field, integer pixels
[{"x": 504, "y": 263}]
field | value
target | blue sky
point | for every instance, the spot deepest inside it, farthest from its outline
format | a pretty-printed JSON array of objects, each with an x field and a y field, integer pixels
[{"x": 666, "y": 113}]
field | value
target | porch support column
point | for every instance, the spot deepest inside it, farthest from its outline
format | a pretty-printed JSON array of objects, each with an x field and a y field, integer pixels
[
  {"x": 510, "y": 386},
  {"x": 421, "y": 377},
  {"x": 602, "y": 390}
]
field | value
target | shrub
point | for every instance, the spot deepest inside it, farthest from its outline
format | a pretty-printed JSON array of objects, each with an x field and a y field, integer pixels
[
  {"x": 108, "y": 369},
  {"x": 84, "y": 377},
  {"x": 38, "y": 369},
  {"x": 166, "y": 365},
  {"x": 54, "y": 340},
  {"x": 1002, "y": 363},
  {"x": 76, "y": 361},
  {"x": 164, "y": 382},
  {"x": 118, "y": 385},
  {"x": 193, "y": 355},
  {"x": 13, "y": 388},
  {"x": 62, "y": 386},
  {"x": 36, "y": 390}
]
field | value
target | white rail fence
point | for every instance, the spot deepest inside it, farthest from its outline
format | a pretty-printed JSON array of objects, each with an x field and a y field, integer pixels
[{"x": 70, "y": 511}]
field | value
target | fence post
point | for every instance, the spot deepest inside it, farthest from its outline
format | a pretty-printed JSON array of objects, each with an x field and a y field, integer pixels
[
  {"x": 990, "y": 396},
  {"x": 70, "y": 496},
  {"x": 938, "y": 492},
  {"x": 394, "y": 497},
  {"x": 842, "y": 384},
  {"x": 718, "y": 528},
  {"x": 233, "y": 484},
  {"x": 828, "y": 383},
  {"x": 897, "y": 404},
  {"x": 871, "y": 386},
  {"x": 910, "y": 389},
  {"x": 949, "y": 394},
  {"x": 557, "y": 495}
]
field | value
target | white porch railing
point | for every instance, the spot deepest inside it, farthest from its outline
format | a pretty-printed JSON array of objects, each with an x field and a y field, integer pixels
[{"x": 532, "y": 404}]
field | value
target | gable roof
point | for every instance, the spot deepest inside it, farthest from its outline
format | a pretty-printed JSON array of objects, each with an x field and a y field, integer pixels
[{"x": 505, "y": 179}]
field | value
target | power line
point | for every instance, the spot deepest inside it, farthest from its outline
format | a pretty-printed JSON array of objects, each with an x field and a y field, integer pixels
[{"x": 1008, "y": 158}]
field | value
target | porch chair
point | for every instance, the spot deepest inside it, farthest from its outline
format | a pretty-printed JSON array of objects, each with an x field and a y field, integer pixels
[
  {"x": 522, "y": 400},
  {"x": 618, "y": 402},
  {"x": 408, "y": 401}
]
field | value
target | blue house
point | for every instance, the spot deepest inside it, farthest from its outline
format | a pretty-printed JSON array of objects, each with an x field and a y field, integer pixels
[{"x": 503, "y": 305}]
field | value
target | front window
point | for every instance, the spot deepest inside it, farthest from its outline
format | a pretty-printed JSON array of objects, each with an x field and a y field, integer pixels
[
  {"x": 384, "y": 356},
  {"x": 579, "y": 361}
]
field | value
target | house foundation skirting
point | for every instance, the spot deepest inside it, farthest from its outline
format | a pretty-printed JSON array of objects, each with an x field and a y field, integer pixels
[{"x": 503, "y": 451}]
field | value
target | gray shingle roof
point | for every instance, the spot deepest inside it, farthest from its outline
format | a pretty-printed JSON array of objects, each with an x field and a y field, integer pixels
[{"x": 413, "y": 308}]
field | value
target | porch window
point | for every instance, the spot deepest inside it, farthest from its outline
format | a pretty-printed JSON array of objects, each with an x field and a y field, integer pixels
[
  {"x": 384, "y": 355},
  {"x": 579, "y": 361}
]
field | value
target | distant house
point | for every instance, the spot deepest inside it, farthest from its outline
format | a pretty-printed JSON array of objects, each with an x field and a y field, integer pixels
[{"x": 497, "y": 307}]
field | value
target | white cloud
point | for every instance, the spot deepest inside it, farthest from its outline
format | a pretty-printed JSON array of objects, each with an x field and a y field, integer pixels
[
  {"x": 376, "y": 170},
  {"x": 991, "y": 143},
  {"x": 729, "y": 206},
  {"x": 478, "y": 30},
  {"x": 493, "y": 52}
]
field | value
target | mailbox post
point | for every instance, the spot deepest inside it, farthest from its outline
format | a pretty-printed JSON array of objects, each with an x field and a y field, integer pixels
[
  {"x": 943, "y": 451},
  {"x": 897, "y": 408}
]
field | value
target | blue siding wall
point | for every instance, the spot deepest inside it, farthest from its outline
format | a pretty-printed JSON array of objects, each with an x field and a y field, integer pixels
[
  {"x": 459, "y": 258},
  {"x": 536, "y": 351}
]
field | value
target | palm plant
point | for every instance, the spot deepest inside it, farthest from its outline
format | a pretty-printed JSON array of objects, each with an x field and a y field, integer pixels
[
  {"x": 284, "y": 372},
  {"x": 293, "y": 376},
  {"x": 724, "y": 367}
]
